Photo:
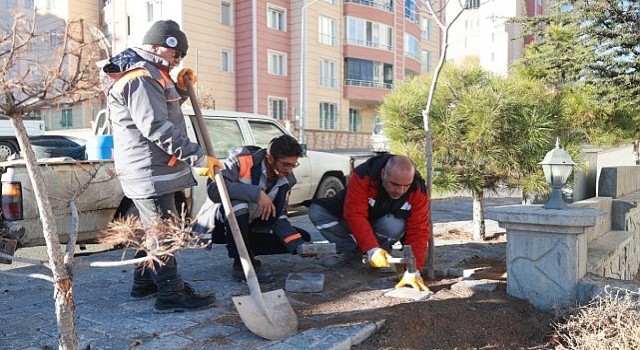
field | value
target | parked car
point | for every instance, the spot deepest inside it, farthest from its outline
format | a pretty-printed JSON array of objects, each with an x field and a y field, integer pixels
[
  {"x": 379, "y": 141},
  {"x": 320, "y": 174},
  {"x": 8, "y": 142}
]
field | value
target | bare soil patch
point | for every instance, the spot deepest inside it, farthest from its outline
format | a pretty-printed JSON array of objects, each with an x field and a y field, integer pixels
[{"x": 453, "y": 318}]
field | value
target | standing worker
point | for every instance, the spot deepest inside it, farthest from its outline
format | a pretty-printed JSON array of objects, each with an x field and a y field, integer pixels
[
  {"x": 153, "y": 155},
  {"x": 385, "y": 202}
]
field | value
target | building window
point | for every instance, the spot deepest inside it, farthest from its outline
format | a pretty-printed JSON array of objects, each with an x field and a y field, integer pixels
[
  {"x": 411, "y": 11},
  {"x": 276, "y": 18},
  {"x": 366, "y": 33},
  {"x": 367, "y": 73},
  {"x": 277, "y": 62},
  {"x": 328, "y": 74},
  {"x": 411, "y": 47},
  {"x": 354, "y": 120},
  {"x": 328, "y": 116},
  {"x": 278, "y": 108},
  {"x": 472, "y": 4},
  {"x": 426, "y": 61},
  {"x": 67, "y": 118},
  {"x": 332, "y": 2},
  {"x": 226, "y": 13},
  {"x": 154, "y": 10},
  {"x": 226, "y": 60},
  {"x": 427, "y": 29},
  {"x": 327, "y": 31}
]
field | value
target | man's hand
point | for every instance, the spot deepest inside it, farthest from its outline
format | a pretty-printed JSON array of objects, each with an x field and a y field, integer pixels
[
  {"x": 414, "y": 280},
  {"x": 378, "y": 257},
  {"x": 208, "y": 168},
  {"x": 189, "y": 72},
  {"x": 266, "y": 209}
]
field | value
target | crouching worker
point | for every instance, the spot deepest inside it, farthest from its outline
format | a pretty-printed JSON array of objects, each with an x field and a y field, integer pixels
[
  {"x": 385, "y": 202},
  {"x": 259, "y": 181}
]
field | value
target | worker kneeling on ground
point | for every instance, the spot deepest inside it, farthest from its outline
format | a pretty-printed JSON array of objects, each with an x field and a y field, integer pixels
[
  {"x": 259, "y": 181},
  {"x": 385, "y": 202}
]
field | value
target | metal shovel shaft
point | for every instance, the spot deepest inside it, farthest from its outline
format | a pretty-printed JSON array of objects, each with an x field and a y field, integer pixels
[{"x": 273, "y": 319}]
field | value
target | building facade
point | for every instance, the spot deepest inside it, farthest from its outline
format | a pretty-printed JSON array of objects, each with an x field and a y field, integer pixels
[
  {"x": 483, "y": 32},
  {"x": 52, "y": 16},
  {"x": 321, "y": 67}
]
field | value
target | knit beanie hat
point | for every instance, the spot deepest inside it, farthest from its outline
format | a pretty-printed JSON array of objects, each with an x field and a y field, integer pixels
[{"x": 166, "y": 33}]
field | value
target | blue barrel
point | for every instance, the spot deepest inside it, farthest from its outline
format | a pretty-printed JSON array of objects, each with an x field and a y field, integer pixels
[{"x": 100, "y": 147}]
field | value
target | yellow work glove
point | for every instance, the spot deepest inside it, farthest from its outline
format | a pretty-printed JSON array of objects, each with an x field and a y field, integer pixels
[
  {"x": 190, "y": 73},
  {"x": 378, "y": 257},
  {"x": 208, "y": 169},
  {"x": 414, "y": 280}
]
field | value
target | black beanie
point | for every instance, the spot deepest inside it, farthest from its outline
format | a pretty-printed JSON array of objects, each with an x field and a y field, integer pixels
[{"x": 166, "y": 34}]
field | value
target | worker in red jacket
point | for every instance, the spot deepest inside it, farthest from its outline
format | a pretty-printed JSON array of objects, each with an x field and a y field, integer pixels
[{"x": 385, "y": 202}]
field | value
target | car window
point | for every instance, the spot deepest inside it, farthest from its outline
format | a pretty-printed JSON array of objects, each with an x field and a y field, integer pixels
[
  {"x": 225, "y": 135},
  {"x": 263, "y": 132}
]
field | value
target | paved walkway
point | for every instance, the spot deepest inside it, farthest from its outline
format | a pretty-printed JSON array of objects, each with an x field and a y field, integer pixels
[{"x": 107, "y": 319}]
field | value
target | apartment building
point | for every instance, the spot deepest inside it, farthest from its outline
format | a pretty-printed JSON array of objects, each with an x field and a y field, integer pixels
[
  {"x": 321, "y": 67},
  {"x": 52, "y": 15},
  {"x": 483, "y": 32}
]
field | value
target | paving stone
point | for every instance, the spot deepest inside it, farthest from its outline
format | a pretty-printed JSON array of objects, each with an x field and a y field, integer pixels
[
  {"x": 483, "y": 285},
  {"x": 409, "y": 293},
  {"x": 304, "y": 282}
]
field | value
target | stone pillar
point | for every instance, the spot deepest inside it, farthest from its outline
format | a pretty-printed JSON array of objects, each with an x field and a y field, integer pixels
[{"x": 546, "y": 251}]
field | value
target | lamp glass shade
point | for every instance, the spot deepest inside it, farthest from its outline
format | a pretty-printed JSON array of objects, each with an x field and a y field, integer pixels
[
  {"x": 557, "y": 166},
  {"x": 557, "y": 174}
]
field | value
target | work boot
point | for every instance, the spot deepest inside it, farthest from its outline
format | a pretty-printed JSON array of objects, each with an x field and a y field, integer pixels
[
  {"x": 341, "y": 259},
  {"x": 237, "y": 273},
  {"x": 143, "y": 290},
  {"x": 184, "y": 300}
]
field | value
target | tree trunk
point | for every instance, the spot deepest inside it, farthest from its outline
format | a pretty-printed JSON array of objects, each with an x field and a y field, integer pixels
[
  {"x": 478, "y": 218},
  {"x": 427, "y": 132},
  {"x": 63, "y": 283}
]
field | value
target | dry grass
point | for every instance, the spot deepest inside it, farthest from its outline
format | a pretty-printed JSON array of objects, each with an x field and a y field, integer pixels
[
  {"x": 610, "y": 321},
  {"x": 161, "y": 239}
]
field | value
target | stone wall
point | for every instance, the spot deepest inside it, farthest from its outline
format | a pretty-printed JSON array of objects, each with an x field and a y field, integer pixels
[{"x": 319, "y": 140}]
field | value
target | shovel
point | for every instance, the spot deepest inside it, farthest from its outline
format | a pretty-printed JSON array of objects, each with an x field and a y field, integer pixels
[{"x": 268, "y": 315}]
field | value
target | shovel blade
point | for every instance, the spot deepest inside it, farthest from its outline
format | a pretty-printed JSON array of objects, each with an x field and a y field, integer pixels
[{"x": 268, "y": 315}]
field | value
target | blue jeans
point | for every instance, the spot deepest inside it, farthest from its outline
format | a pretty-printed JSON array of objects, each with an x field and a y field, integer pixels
[{"x": 166, "y": 277}]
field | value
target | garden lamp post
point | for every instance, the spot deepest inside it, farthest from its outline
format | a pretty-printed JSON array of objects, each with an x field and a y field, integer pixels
[{"x": 557, "y": 166}]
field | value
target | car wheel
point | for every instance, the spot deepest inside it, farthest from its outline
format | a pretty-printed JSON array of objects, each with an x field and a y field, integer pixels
[
  {"x": 329, "y": 187},
  {"x": 6, "y": 150}
]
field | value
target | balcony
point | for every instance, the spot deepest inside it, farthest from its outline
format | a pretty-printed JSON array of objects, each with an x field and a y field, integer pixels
[
  {"x": 367, "y": 43},
  {"x": 368, "y": 83},
  {"x": 366, "y": 90},
  {"x": 373, "y": 3}
]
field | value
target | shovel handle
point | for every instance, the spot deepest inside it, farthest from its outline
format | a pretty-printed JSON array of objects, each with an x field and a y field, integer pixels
[{"x": 252, "y": 279}]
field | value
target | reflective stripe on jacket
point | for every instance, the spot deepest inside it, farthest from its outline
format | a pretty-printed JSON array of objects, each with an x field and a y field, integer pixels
[
  {"x": 152, "y": 152},
  {"x": 245, "y": 177}
]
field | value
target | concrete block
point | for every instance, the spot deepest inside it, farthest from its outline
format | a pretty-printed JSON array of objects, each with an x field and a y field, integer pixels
[
  {"x": 483, "y": 285},
  {"x": 408, "y": 293},
  {"x": 317, "y": 248},
  {"x": 7, "y": 246},
  {"x": 304, "y": 282}
]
